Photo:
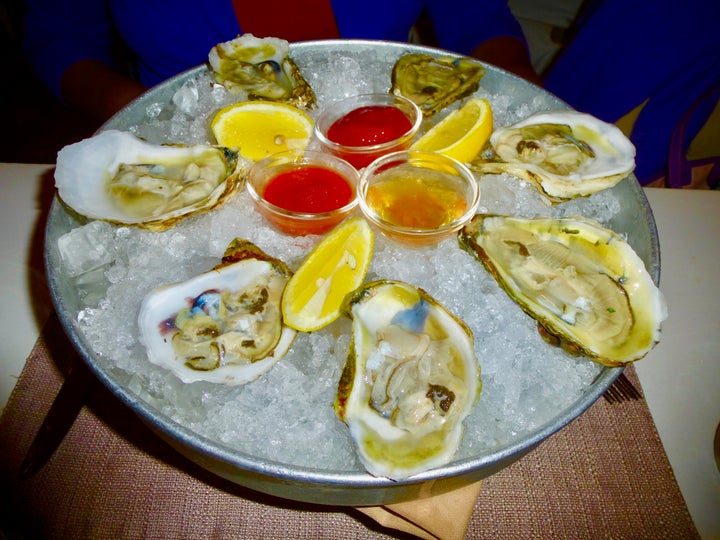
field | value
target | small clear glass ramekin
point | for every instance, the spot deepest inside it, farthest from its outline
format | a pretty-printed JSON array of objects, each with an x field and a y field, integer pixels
[
  {"x": 362, "y": 156},
  {"x": 418, "y": 198},
  {"x": 290, "y": 221}
]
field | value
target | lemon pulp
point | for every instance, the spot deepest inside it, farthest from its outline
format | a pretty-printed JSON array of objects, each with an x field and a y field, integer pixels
[
  {"x": 339, "y": 263},
  {"x": 261, "y": 128},
  {"x": 462, "y": 133}
]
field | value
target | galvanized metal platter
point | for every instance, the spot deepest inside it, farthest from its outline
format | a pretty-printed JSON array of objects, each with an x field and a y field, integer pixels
[{"x": 634, "y": 220}]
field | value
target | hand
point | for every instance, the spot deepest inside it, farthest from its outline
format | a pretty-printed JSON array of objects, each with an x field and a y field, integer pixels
[
  {"x": 510, "y": 54},
  {"x": 94, "y": 87}
]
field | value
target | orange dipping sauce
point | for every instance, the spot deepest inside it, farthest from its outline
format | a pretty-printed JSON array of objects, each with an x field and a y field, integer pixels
[
  {"x": 406, "y": 201},
  {"x": 418, "y": 198}
]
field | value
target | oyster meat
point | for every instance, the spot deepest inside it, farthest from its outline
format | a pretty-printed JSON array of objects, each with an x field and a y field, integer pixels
[
  {"x": 223, "y": 326},
  {"x": 410, "y": 379},
  {"x": 586, "y": 286},
  {"x": 260, "y": 68},
  {"x": 116, "y": 177},
  {"x": 432, "y": 82},
  {"x": 565, "y": 154}
]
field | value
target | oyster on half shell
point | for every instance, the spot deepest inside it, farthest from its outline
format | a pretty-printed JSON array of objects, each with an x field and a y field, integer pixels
[
  {"x": 260, "y": 68},
  {"x": 432, "y": 82},
  {"x": 410, "y": 379},
  {"x": 223, "y": 326},
  {"x": 117, "y": 177},
  {"x": 586, "y": 287},
  {"x": 565, "y": 154}
]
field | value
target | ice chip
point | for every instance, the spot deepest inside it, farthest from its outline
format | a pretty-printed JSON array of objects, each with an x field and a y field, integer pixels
[
  {"x": 153, "y": 110},
  {"x": 186, "y": 98},
  {"x": 85, "y": 249}
]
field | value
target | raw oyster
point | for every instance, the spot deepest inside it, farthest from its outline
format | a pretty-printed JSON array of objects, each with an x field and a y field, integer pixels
[
  {"x": 116, "y": 177},
  {"x": 434, "y": 83},
  {"x": 565, "y": 154},
  {"x": 410, "y": 379},
  {"x": 586, "y": 286},
  {"x": 260, "y": 68},
  {"x": 223, "y": 326}
]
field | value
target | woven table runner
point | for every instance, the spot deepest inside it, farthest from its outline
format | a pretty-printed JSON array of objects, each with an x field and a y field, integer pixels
[{"x": 605, "y": 475}]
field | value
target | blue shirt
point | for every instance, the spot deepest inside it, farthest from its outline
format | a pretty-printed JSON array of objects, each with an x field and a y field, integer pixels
[
  {"x": 167, "y": 37},
  {"x": 632, "y": 51}
]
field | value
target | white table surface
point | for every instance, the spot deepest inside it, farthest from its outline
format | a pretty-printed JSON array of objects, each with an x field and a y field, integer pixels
[{"x": 680, "y": 377}]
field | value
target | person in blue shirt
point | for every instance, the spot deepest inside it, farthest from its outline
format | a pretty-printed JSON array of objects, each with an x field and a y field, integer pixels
[
  {"x": 71, "y": 44},
  {"x": 643, "y": 64}
]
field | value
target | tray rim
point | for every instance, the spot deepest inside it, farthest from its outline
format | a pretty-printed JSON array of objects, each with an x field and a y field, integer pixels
[{"x": 274, "y": 476}]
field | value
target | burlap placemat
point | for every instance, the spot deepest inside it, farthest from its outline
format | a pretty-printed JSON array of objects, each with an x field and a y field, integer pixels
[{"x": 603, "y": 476}]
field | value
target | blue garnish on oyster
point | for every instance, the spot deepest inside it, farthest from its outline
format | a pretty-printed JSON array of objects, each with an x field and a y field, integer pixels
[{"x": 413, "y": 318}]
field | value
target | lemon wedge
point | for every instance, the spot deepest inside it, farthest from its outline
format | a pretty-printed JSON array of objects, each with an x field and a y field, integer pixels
[
  {"x": 462, "y": 133},
  {"x": 336, "y": 266},
  {"x": 261, "y": 128}
]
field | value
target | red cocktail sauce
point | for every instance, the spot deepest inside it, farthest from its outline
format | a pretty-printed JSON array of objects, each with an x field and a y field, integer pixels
[
  {"x": 369, "y": 125},
  {"x": 309, "y": 189}
]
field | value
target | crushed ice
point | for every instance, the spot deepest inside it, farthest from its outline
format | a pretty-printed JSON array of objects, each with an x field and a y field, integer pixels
[{"x": 283, "y": 415}]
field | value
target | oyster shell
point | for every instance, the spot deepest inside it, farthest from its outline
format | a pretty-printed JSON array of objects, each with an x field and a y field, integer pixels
[
  {"x": 260, "y": 68},
  {"x": 434, "y": 83},
  {"x": 565, "y": 154},
  {"x": 116, "y": 177},
  {"x": 223, "y": 326},
  {"x": 585, "y": 285},
  {"x": 410, "y": 379}
]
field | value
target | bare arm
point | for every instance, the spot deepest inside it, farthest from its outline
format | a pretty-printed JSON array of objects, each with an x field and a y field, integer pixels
[
  {"x": 507, "y": 53},
  {"x": 94, "y": 87}
]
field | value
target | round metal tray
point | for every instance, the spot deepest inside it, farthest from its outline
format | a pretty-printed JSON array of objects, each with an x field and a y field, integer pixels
[{"x": 634, "y": 220}]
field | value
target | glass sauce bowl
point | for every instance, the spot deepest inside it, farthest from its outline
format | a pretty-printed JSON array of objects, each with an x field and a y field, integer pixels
[
  {"x": 361, "y": 128},
  {"x": 418, "y": 198},
  {"x": 302, "y": 194}
]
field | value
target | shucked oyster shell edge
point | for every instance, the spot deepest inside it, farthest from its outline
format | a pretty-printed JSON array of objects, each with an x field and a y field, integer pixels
[{"x": 617, "y": 262}]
